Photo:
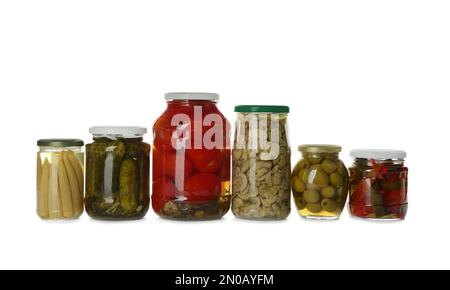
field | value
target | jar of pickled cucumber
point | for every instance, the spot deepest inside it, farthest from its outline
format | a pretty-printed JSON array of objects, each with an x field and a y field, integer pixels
[
  {"x": 261, "y": 163},
  {"x": 191, "y": 159},
  {"x": 117, "y": 173},
  {"x": 320, "y": 182},
  {"x": 60, "y": 178},
  {"x": 379, "y": 184}
]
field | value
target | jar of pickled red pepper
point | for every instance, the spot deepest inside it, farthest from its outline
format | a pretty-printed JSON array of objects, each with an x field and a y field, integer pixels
[
  {"x": 379, "y": 184},
  {"x": 60, "y": 178},
  {"x": 117, "y": 173},
  {"x": 261, "y": 163},
  {"x": 191, "y": 159},
  {"x": 320, "y": 182}
]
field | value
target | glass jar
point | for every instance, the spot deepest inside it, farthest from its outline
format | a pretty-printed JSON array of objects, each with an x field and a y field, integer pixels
[
  {"x": 191, "y": 159},
  {"x": 261, "y": 163},
  {"x": 117, "y": 173},
  {"x": 60, "y": 178},
  {"x": 320, "y": 182},
  {"x": 379, "y": 184}
]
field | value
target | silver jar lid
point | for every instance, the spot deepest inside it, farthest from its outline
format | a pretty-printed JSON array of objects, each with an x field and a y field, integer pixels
[
  {"x": 126, "y": 131},
  {"x": 381, "y": 154},
  {"x": 192, "y": 96}
]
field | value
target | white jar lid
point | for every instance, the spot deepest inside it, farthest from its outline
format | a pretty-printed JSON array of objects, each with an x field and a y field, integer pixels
[
  {"x": 378, "y": 154},
  {"x": 192, "y": 96},
  {"x": 127, "y": 131}
]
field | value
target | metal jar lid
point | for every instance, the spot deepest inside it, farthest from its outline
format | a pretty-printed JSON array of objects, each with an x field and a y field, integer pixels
[
  {"x": 60, "y": 142},
  {"x": 261, "y": 109},
  {"x": 192, "y": 96},
  {"x": 319, "y": 148},
  {"x": 380, "y": 154}
]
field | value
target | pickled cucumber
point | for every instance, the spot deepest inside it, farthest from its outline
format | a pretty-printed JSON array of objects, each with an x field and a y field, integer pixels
[
  {"x": 129, "y": 185},
  {"x": 117, "y": 178}
]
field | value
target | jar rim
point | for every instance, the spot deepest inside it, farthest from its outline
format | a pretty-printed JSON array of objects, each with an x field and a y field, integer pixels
[
  {"x": 191, "y": 96},
  {"x": 60, "y": 142},
  {"x": 319, "y": 148},
  {"x": 381, "y": 154}
]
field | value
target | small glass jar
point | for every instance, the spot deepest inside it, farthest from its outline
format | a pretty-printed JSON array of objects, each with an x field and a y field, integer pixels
[
  {"x": 117, "y": 173},
  {"x": 379, "y": 184},
  {"x": 60, "y": 178},
  {"x": 320, "y": 182},
  {"x": 261, "y": 163},
  {"x": 191, "y": 159}
]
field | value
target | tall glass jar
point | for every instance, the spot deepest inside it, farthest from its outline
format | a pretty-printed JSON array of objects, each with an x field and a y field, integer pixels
[
  {"x": 117, "y": 173},
  {"x": 191, "y": 159},
  {"x": 261, "y": 163},
  {"x": 320, "y": 182},
  {"x": 379, "y": 184},
  {"x": 60, "y": 178}
]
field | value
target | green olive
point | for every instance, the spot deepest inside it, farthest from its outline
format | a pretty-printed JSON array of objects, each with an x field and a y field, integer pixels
[
  {"x": 329, "y": 166},
  {"x": 336, "y": 179},
  {"x": 312, "y": 186},
  {"x": 301, "y": 165},
  {"x": 329, "y": 205},
  {"x": 311, "y": 196},
  {"x": 328, "y": 192},
  {"x": 303, "y": 176},
  {"x": 341, "y": 169},
  {"x": 319, "y": 177},
  {"x": 298, "y": 185},
  {"x": 314, "y": 207},
  {"x": 314, "y": 159},
  {"x": 301, "y": 204},
  {"x": 316, "y": 167}
]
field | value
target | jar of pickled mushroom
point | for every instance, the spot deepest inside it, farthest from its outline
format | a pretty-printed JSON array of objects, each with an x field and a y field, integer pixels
[
  {"x": 261, "y": 163},
  {"x": 320, "y": 182},
  {"x": 379, "y": 184},
  {"x": 117, "y": 173},
  {"x": 191, "y": 159},
  {"x": 60, "y": 178}
]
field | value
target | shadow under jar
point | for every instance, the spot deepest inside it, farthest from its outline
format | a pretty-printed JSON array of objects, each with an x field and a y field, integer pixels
[
  {"x": 117, "y": 173},
  {"x": 379, "y": 184},
  {"x": 261, "y": 163},
  {"x": 191, "y": 159},
  {"x": 320, "y": 182}
]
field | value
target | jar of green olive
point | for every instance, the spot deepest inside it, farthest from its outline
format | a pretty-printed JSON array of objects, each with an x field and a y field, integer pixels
[
  {"x": 379, "y": 184},
  {"x": 117, "y": 173},
  {"x": 320, "y": 182}
]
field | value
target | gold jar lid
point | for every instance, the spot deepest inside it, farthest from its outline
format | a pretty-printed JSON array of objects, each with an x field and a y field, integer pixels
[{"x": 319, "y": 148}]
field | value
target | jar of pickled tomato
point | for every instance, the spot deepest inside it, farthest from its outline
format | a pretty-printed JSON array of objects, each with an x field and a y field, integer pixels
[
  {"x": 379, "y": 184},
  {"x": 191, "y": 159}
]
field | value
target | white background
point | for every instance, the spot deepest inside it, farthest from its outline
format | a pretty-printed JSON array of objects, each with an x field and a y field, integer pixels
[{"x": 356, "y": 73}]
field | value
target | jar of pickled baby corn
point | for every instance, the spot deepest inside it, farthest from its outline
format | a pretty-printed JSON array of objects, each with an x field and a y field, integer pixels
[
  {"x": 379, "y": 184},
  {"x": 320, "y": 182},
  {"x": 60, "y": 178}
]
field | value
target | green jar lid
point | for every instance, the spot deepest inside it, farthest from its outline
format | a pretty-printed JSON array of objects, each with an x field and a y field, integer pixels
[
  {"x": 261, "y": 109},
  {"x": 60, "y": 142}
]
